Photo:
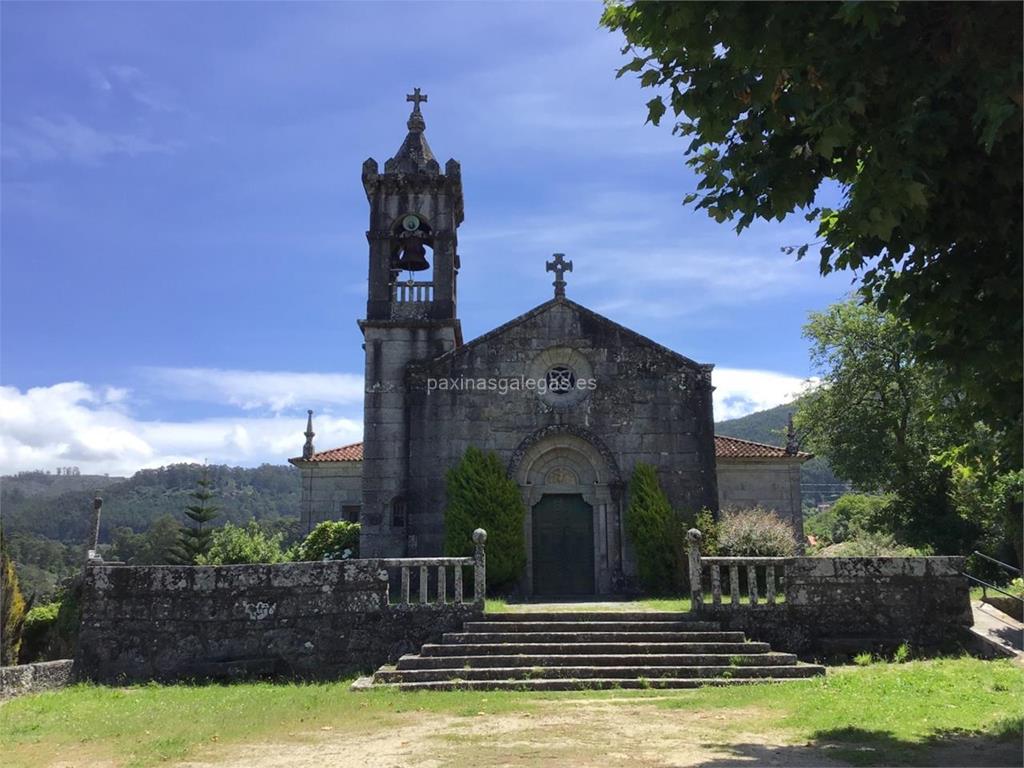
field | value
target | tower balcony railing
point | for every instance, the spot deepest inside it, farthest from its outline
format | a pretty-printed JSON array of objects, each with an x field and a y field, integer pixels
[{"x": 412, "y": 291}]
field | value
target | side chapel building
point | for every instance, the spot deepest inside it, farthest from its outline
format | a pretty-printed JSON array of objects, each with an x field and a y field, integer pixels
[{"x": 591, "y": 399}]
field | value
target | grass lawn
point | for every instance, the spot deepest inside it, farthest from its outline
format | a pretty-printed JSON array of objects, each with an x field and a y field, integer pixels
[{"x": 943, "y": 711}]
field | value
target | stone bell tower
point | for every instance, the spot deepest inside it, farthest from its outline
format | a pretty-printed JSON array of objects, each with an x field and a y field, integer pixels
[{"x": 415, "y": 212}]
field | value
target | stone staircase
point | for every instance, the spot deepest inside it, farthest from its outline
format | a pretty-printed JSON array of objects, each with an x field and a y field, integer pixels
[{"x": 569, "y": 651}]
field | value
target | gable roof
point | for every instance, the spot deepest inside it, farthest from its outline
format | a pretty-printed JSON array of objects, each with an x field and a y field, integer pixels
[
  {"x": 725, "y": 448},
  {"x": 737, "y": 448},
  {"x": 588, "y": 313}
]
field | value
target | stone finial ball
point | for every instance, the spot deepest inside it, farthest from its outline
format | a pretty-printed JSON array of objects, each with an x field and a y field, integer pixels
[
  {"x": 694, "y": 536},
  {"x": 479, "y": 536}
]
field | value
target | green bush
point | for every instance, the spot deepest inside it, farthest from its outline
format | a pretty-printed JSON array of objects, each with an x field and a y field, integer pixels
[
  {"x": 871, "y": 545},
  {"x": 232, "y": 545},
  {"x": 330, "y": 540},
  {"x": 37, "y": 631},
  {"x": 481, "y": 495},
  {"x": 755, "y": 532},
  {"x": 707, "y": 525},
  {"x": 656, "y": 532},
  {"x": 13, "y": 609},
  {"x": 849, "y": 516}
]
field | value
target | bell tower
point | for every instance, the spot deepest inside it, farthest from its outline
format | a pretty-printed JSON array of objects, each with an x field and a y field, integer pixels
[{"x": 415, "y": 212}]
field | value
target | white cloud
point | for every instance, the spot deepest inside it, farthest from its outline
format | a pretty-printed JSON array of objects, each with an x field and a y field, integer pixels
[
  {"x": 259, "y": 390},
  {"x": 73, "y": 423},
  {"x": 66, "y": 137},
  {"x": 739, "y": 391}
]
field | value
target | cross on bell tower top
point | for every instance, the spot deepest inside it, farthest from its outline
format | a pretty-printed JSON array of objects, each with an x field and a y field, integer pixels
[
  {"x": 415, "y": 97},
  {"x": 559, "y": 266}
]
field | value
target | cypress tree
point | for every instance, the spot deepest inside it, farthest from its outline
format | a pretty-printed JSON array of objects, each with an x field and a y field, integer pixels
[
  {"x": 656, "y": 533},
  {"x": 481, "y": 495}
]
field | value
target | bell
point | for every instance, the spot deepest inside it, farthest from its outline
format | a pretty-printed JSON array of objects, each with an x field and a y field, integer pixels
[{"x": 414, "y": 256}]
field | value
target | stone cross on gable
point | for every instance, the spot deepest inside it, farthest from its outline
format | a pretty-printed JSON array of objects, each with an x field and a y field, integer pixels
[
  {"x": 415, "y": 97},
  {"x": 559, "y": 266}
]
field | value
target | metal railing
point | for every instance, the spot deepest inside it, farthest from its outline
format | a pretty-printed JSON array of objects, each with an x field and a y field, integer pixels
[{"x": 985, "y": 586}]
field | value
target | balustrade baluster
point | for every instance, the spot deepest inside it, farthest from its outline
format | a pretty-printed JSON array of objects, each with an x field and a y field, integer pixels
[
  {"x": 442, "y": 586},
  {"x": 457, "y": 586},
  {"x": 734, "y": 586},
  {"x": 769, "y": 584},
  {"x": 752, "y": 583},
  {"x": 405, "y": 585},
  {"x": 424, "y": 582},
  {"x": 716, "y": 585}
]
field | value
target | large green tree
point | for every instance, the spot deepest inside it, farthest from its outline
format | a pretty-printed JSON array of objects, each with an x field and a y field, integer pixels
[
  {"x": 913, "y": 110},
  {"x": 879, "y": 415}
]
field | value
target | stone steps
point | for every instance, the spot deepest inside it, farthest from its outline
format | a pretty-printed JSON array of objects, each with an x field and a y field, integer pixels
[
  {"x": 772, "y": 659},
  {"x": 691, "y": 647},
  {"x": 390, "y": 675},
  {"x": 571, "y": 651}
]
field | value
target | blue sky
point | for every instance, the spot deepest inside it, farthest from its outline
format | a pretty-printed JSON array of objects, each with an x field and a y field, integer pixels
[{"x": 183, "y": 249}]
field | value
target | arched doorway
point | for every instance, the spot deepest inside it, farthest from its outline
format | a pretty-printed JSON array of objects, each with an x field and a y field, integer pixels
[{"x": 573, "y": 534}]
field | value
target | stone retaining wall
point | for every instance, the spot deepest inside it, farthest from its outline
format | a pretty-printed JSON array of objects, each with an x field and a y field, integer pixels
[
  {"x": 849, "y": 604},
  {"x": 33, "y": 678},
  {"x": 299, "y": 620}
]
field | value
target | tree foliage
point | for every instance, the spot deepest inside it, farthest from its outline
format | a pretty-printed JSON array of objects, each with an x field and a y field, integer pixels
[
  {"x": 330, "y": 540},
  {"x": 912, "y": 109},
  {"x": 196, "y": 534},
  {"x": 881, "y": 416},
  {"x": 481, "y": 495},
  {"x": 656, "y": 534},
  {"x": 237, "y": 545},
  {"x": 13, "y": 609}
]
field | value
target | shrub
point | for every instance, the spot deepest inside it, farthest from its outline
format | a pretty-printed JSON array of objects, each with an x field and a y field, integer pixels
[
  {"x": 849, "y": 516},
  {"x": 656, "y": 533},
  {"x": 755, "y": 532},
  {"x": 37, "y": 631},
  {"x": 481, "y": 495},
  {"x": 330, "y": 540},
  {"x": 707, "y": 525},
  {"x": 232, "y": 545},
  {"x": 12, "y": 609},
  {"x": 871, "y": 545}
]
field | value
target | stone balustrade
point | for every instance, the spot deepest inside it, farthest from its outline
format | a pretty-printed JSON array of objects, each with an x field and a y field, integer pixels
[
  {"x": 745, "y": 576},
  {"x": 412, "y": 291},
  {"x": 440, "y": 566}
]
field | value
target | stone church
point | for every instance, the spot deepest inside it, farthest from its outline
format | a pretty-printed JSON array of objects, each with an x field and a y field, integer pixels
[{"x": 569, "y": 400}]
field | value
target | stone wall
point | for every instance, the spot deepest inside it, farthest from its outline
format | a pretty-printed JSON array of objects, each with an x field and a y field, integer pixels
[
  {"x": 852, "y": 604},
  {"x": 296, "y": 620},
  {"x": 329, "y": 489},
  {"x": 770, "y": 483},
  {"x": 33, "y": 678}
]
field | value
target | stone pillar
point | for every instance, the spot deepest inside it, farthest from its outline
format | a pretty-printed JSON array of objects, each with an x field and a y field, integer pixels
[
  {"x": 479, "y": 566},
  {"x": 693, "y": 538}
]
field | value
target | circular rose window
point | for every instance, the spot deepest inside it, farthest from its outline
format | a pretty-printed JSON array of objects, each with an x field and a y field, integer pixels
[{"x": 561, "y": 380}]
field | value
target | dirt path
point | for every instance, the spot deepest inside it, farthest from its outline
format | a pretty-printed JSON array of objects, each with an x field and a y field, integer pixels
[{"x": 583, "y": 734}]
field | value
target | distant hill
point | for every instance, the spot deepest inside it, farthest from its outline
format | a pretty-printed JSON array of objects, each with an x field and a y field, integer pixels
[
  {"x": 761, "y": 427},
  {"x": 45, "y": 484},
  {"x": 818, "y": 483}
]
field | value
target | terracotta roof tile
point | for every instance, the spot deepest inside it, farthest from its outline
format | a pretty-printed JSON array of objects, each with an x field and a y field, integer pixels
[
  {"x": 736, "y": 448},
  {"x": 725, "y": 448}
]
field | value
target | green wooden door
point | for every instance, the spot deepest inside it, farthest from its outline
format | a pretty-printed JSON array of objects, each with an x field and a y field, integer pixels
[{"x": 563, "y": 545}]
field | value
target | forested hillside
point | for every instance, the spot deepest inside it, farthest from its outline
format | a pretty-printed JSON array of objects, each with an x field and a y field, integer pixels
[
  {"x": 47, "y": 529},
  {"x": 817, "y": 480}
]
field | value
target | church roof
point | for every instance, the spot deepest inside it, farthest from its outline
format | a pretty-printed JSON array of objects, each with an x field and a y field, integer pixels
[
  {"x": 638, "y": 338},
  {"x": 725, "y": 448},
  {"x": 415, "y": 155},
  {"x": 737, "y": 448}
]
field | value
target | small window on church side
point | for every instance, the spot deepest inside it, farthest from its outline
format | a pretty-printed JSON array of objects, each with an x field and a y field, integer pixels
[
  {"x": 561, "y": 380},
  {"x": 398, "y": 512},
  {"x": 350, "y": 512}
]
